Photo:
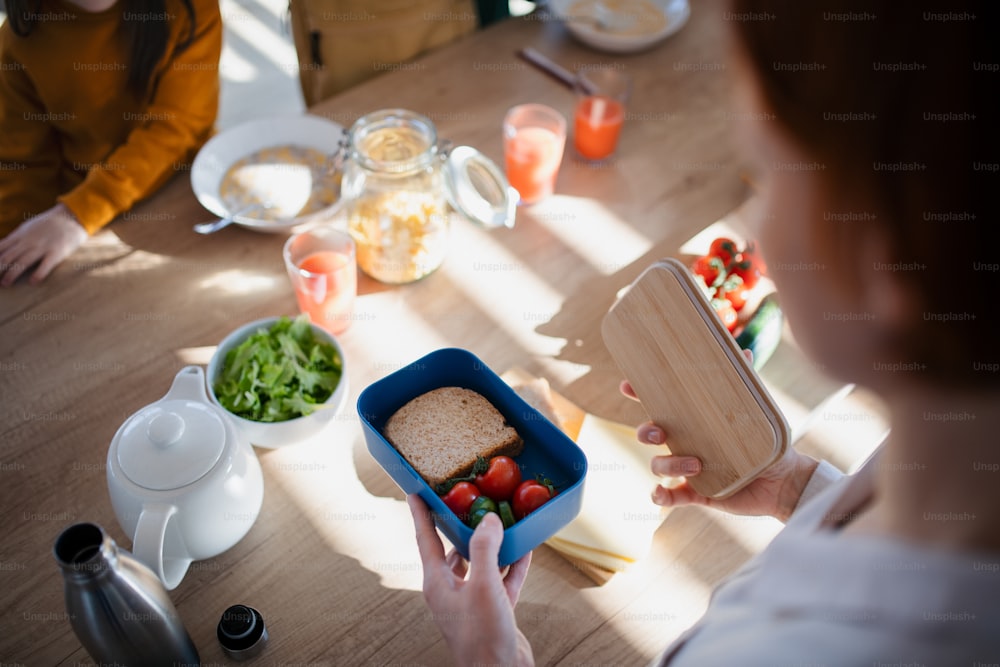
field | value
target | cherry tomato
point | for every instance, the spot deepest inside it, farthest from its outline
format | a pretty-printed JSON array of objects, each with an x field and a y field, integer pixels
[
  {"x": 725, "y": 249},
  {"x": 749, "y": 271},
  {"x": 750, "y": 267},
  {"x": 500, "y": 479},
  {"x": 709, "y": 268},
  {"x": 724, "y": 309},
  {"x": 734, "y": 291},
  {"x": 460, "y": 498},
  {"x": 529, "y": 496}
]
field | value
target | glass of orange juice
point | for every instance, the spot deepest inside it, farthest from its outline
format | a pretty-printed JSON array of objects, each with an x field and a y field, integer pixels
[
  {"x": 602, "y": 93},
  {"x": 534, "y": 136},
  {"x": 322, "y": 265}
]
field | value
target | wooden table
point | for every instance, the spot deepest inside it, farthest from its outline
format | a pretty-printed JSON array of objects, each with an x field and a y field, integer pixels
[{"x": 331, "y": 562}]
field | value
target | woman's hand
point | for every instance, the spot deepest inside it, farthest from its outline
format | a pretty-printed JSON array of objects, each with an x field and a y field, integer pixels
[
  {"x": 775, "y": 492},
  {"x": 46, "y": 240},
  {"x": 475, "y": 613}
]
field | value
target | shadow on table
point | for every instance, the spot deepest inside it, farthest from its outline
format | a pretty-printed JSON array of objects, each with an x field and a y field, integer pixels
[{"x": 578, "y": 321}]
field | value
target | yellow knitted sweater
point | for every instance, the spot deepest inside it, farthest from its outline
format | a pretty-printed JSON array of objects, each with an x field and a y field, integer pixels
[{"x": 69, "y": 130}]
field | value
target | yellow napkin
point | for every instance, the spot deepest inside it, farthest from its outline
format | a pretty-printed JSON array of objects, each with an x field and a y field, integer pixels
[{"x": 617, "y": 520}]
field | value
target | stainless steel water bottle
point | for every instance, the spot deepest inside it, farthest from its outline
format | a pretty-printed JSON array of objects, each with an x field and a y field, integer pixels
[{"x": 118, "y": 608}]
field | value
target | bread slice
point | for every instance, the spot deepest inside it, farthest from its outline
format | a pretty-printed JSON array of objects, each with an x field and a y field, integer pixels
[{"x": 442, "y": 432}]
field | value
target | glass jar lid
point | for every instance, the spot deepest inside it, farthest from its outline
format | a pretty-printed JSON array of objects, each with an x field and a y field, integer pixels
[
  {"x": 477, "y": 188},
  {"x": 398, "y": 141},
  {"x": 393, "y": 141}
]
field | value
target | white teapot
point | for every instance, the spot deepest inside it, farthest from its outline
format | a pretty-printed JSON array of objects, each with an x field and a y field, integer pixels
[{"x": 183, "y": 483}]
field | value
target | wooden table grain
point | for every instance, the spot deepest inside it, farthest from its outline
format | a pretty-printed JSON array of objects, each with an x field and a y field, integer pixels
[{"x": 331, "y": 562}]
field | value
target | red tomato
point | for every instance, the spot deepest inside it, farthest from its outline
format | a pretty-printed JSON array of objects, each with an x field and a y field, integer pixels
[
  {"x": 725, "y": 249},
  {"x": 733, "y": 291},
  {"x": 709, "y": 268},
  {"x": 500, "y": 479},
  {"x": 749, "y": 269},
  {"x": 724, "y": 309},
  {"x": 460, "y": 498},
  {"x": 529, "y": 496}
]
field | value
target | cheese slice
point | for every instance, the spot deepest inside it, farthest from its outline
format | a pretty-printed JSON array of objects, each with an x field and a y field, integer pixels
[
  {"x": 603, "y": 560},
  {"x": 616, "y": 523}
]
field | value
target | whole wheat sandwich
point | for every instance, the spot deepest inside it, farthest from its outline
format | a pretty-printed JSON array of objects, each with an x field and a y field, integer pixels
[{"x": 442, "y": 432}]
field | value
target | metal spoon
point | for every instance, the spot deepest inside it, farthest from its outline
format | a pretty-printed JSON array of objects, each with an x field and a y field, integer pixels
[{"x": 216, "y": 225}]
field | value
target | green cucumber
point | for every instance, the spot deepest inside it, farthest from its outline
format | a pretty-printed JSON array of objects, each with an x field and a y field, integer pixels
[
  {"x": 506, "y": 514},
  {"x": 762, "y": 332}
]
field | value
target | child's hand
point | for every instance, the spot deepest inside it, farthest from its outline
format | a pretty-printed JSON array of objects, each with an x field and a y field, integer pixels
[{"x": 46, "y": 240}]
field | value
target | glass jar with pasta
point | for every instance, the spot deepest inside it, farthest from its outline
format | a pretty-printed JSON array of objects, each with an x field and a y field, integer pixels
[{"x": 398, "y": 187}]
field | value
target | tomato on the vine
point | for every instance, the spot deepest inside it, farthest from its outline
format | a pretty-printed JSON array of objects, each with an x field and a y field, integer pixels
[
  {"x": 734, "y": 291},
  {"x": 500, "y": 479},
  {"x": 529, "y": 496},
  {"x": 725, "y": 249},
  {"x": 460, "y": 498},
  {"x": 710, "y": 268},
  {"x": 724, "y": 309},
  {"x": 750, "y": 267}
]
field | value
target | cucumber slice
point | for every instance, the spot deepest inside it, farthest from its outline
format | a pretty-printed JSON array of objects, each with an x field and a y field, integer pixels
[
  {"x": 762, "y": 332},
  {"x": 506, "y": 514}
]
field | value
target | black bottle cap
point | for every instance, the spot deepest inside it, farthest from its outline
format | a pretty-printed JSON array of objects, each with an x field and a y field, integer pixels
[{"x": 241, "y": 632}]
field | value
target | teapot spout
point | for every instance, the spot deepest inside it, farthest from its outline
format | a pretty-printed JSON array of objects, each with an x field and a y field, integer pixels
[{"x": 189, "y": 383}]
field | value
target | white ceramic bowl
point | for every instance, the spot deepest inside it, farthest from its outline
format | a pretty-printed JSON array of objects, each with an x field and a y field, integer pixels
[
  {"x": 221, "y": 151},
  {"x": 279, "y": 434},
  {"x": 676, "y": 12}
]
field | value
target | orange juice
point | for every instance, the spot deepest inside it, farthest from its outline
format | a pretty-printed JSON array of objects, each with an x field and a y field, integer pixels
[
  {"x": 325, "y": 289},
  {"x": 598, "y": 122},
  {"x": 533, "y": 155}
]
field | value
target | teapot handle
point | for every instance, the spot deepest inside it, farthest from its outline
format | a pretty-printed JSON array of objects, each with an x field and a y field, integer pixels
[
  {"x": 150, "y": 543},
  {"x": 189, "y": 383}
]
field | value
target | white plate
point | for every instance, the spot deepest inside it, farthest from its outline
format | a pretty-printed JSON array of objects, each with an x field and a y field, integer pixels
[
  {"x": 221, "y": 151},
  {"x": 676, "y": 12}
]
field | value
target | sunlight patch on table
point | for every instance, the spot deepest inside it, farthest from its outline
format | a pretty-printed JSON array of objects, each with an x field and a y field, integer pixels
[
  {"x": 100, "y": 250},
  {"x": 195, "y": 355},
  {"x": 847, "y": 432},
  {"x": 753, "y": 533},
  {"x": 592, "y": 231},
  {"x": 395, "y": 334},
  {"x": 497, "y": 287},
  {"x": 139, "y": 260},
  {"x": 319, "y": 475},
  {"x": 239, "y": 281}
]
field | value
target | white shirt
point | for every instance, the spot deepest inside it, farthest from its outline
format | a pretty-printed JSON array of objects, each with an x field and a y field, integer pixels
[{"x": 816, "y": 596}]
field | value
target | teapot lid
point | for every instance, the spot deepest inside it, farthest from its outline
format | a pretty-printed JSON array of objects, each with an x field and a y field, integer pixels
[{"x": 171, "y": 443}]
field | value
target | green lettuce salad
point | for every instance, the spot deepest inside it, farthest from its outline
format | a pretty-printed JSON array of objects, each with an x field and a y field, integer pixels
[{"x": 279, "y": 374}]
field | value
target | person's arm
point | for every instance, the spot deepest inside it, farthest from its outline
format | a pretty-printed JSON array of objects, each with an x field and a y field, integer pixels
[
  {"x": 29, "y": 167},
  {"x": 473, "y": 603},
  {"x": 179, "y": 118},
  {"x": 29, "y": 154}
]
